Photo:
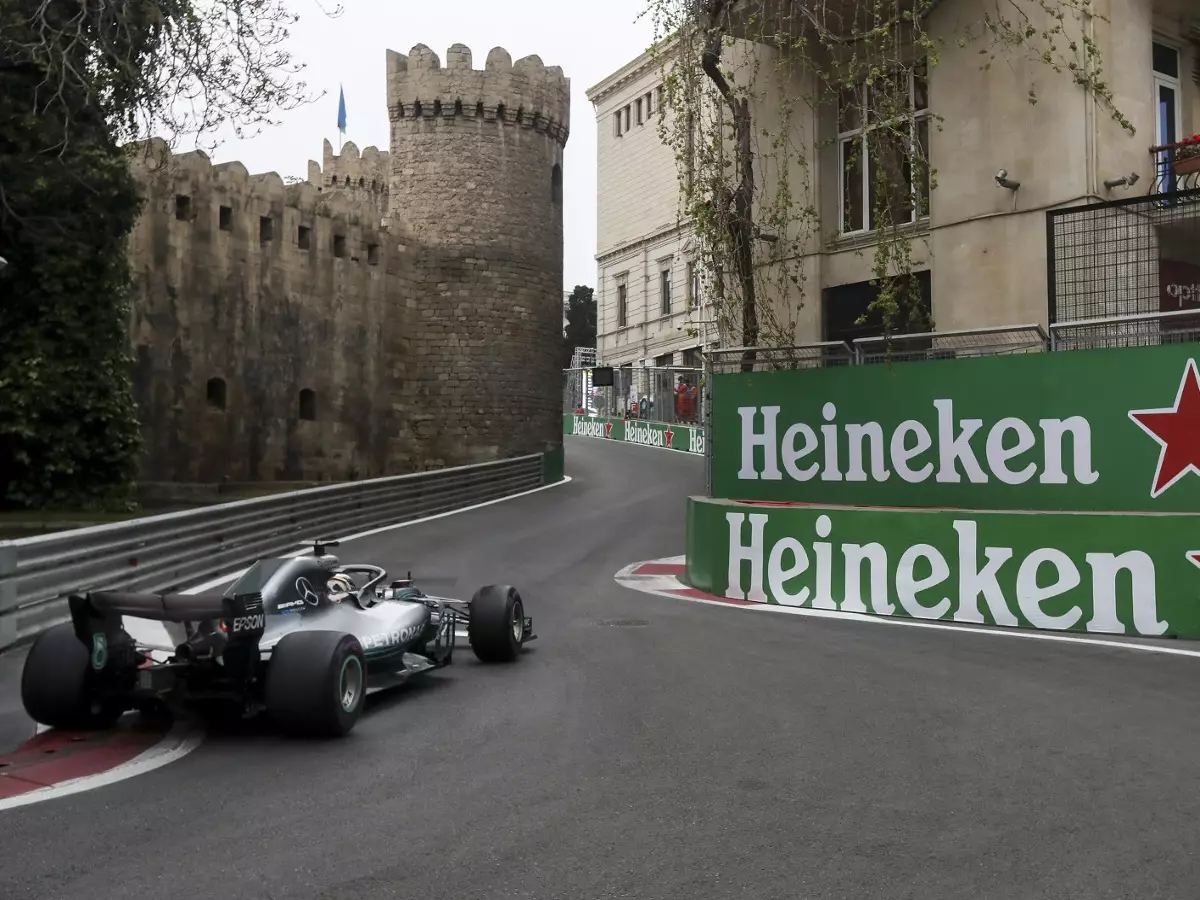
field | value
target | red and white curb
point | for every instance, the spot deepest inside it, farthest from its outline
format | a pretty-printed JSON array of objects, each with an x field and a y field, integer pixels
[
  {"x": 60, "y": 763},
  {"x": 664, "y": 578}
]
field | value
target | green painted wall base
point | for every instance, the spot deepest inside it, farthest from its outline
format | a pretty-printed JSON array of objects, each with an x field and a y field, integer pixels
[
  {"x": 1099, "y": 573},
  {"x": 553, "y": 465}
]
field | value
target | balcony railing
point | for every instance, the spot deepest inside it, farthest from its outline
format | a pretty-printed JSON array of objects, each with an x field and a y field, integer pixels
[{"x": 1177, "y": 167}]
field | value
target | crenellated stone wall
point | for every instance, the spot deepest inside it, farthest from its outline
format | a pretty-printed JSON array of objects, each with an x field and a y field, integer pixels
[{"x": 399, "y": 310}]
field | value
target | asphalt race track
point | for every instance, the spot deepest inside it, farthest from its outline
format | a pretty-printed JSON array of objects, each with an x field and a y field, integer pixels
[{"x": 648, "y": 747}]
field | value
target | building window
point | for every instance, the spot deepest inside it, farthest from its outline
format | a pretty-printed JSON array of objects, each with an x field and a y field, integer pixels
[
  {"x": 225, "y": 218},
  {"x": 303, "y": 239},
  {"x": 556, "y": 183},
  {"x": 183, "y": 207},
  {"x": 649, "y": 103},
  {"x": 308, "y": 405},
  {"x": 622, "y": 306},
  {"x": 625, "y": 112},
  {"x": 214, "y": 393},
  {"x": 693, "y": 287},
  {"x": 372, "y": 254},
  {"x": 617, "y": 123},
  {"x": 659, "y": 96},
  {"x": 866, "y": 143},
  {"x": 339, "y": 245},
  {"x": 1167, "y": 91},
  {"x": 638, "y": 104},
  {"x": 664, "y": 290},
  {"x": 266, "y": 229}
]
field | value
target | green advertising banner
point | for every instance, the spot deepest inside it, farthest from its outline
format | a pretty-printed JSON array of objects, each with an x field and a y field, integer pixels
[
  {"x": 1080, "y": 430},
  {"x": 1110, "y": 574},
  {"x": 684, "y": 438}
]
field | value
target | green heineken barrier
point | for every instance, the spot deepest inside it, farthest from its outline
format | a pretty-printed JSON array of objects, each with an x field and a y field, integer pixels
[
  {"x": 1085, "y": 430},
  {"x": 1110, "y": 574},
  {"x": 684, "y": 438}
]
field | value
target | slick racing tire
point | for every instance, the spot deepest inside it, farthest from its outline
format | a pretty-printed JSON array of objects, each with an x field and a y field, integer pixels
[
  {"x": 496, "y": 624},
  {"x": 316, "y": 683},
  {"x": 56, "y": 683}
]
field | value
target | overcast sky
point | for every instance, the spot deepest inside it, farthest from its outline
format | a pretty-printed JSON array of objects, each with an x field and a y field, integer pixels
[{"x": 589, "y": 41}]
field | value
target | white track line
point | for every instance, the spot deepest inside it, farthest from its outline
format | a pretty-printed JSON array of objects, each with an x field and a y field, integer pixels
[
  {"x": 656, "y": 584},
  {"x": 181, "y": 740}
]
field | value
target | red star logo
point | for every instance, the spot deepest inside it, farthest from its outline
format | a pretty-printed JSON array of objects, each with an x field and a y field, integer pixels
[
  {"x": 670, "y": 437},
  {"x": 608, "y": 429},
  {"x": 1177, "y": 429}
]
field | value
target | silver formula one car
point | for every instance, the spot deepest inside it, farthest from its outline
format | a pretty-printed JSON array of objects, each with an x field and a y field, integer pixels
[{"x": 295, "y": 637}]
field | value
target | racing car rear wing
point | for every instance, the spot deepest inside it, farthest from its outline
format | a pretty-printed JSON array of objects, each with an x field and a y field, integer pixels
[
  {"x": 97, "y": 616},
  {"x": 156, "y": 607}
]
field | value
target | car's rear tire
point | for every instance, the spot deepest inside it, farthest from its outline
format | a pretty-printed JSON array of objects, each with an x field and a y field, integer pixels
[
  {"x": 496, "y": 624},
  {"x": 56, "y": 684},
  {"x": 316, "y": 683}
]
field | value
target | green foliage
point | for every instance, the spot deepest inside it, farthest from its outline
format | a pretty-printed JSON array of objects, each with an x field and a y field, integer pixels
[
  {"x": 76, "y": 80},
  {"x": 581, "y": 317},
  {"x": 68, "y": 428}
]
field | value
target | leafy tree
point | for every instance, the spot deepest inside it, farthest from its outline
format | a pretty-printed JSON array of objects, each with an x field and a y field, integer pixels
[
  {"x": 745, "y": 179},
  {"x": 581, "y": 317},
  {"x": 581, "y": 323},
  {"x": 77, "y": 79}
]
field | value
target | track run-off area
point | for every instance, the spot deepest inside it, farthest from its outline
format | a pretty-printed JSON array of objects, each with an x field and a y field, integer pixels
[{"x": 650, "y": 746}]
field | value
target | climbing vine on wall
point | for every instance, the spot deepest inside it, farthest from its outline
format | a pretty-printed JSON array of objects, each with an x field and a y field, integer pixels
[{"x": 750, "y": 91}]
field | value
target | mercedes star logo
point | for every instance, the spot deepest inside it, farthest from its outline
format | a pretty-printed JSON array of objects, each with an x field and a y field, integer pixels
[{"x": 306, "y": 592}]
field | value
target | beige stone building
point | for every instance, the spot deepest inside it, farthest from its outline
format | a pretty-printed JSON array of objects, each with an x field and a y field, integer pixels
[
  {"x": 647, "y": 290},
  {"x": 993, "y": 249}
]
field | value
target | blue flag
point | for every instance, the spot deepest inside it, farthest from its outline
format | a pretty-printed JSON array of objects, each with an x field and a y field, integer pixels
[{"x": 341, "y": 110}]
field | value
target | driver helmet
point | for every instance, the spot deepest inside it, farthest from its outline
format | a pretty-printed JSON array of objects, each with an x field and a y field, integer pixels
[{"x": 339, "y": 586}]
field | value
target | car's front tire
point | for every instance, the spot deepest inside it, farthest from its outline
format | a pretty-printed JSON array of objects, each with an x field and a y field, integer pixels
[
  {"x": 497, "y": 622},
  {"x": 56, "y": 683},
  {"x": 316, "y": 683}
]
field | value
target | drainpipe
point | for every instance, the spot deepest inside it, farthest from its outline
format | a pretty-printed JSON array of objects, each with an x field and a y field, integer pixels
[{"x": 1091, "y": 164}]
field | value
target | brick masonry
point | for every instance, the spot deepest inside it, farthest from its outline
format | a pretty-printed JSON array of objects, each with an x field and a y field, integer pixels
[{"x": 400, "y": 310}]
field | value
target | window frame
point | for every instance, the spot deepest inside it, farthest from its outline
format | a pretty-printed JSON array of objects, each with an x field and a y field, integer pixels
[{"x": 917, "y": 117}]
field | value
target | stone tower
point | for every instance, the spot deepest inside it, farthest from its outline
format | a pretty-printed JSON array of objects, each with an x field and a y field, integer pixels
[{"x": 476, "y": 178}]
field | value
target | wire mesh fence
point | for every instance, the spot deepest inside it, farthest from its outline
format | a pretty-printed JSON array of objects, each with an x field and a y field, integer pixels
[
  {"x": 779, "y": 359},
  {"x": 1117, "y": 258},
  {"x": 655, "y": 393},
  {"x": 1142, "y": 330}
]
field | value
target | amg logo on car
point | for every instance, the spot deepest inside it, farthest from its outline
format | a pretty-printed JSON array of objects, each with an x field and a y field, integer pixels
[
  {"x": 390, "y": 638},
  {"x": 292, "y": 605},
  {"x": 249, "y": 623}
]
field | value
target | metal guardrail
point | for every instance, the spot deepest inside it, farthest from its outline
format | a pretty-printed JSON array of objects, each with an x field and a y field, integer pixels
[
  {"x": 1134, "y": 330},
  {"x": 999, "y": 340},
  {"x": 176, "y": 550}
]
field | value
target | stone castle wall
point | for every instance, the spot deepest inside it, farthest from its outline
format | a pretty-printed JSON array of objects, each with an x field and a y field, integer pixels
[
  {"x": 399, "y": 310},
  {"x": 249, "y": 294},
  {"x": 363, "y": 177}
]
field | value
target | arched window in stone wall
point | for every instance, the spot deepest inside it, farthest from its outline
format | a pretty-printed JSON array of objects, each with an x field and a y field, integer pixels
[
  {"x": 214, "y": 393},
  {"x": 308, "y": 405},
  {"x": 556, "y": 186}
]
